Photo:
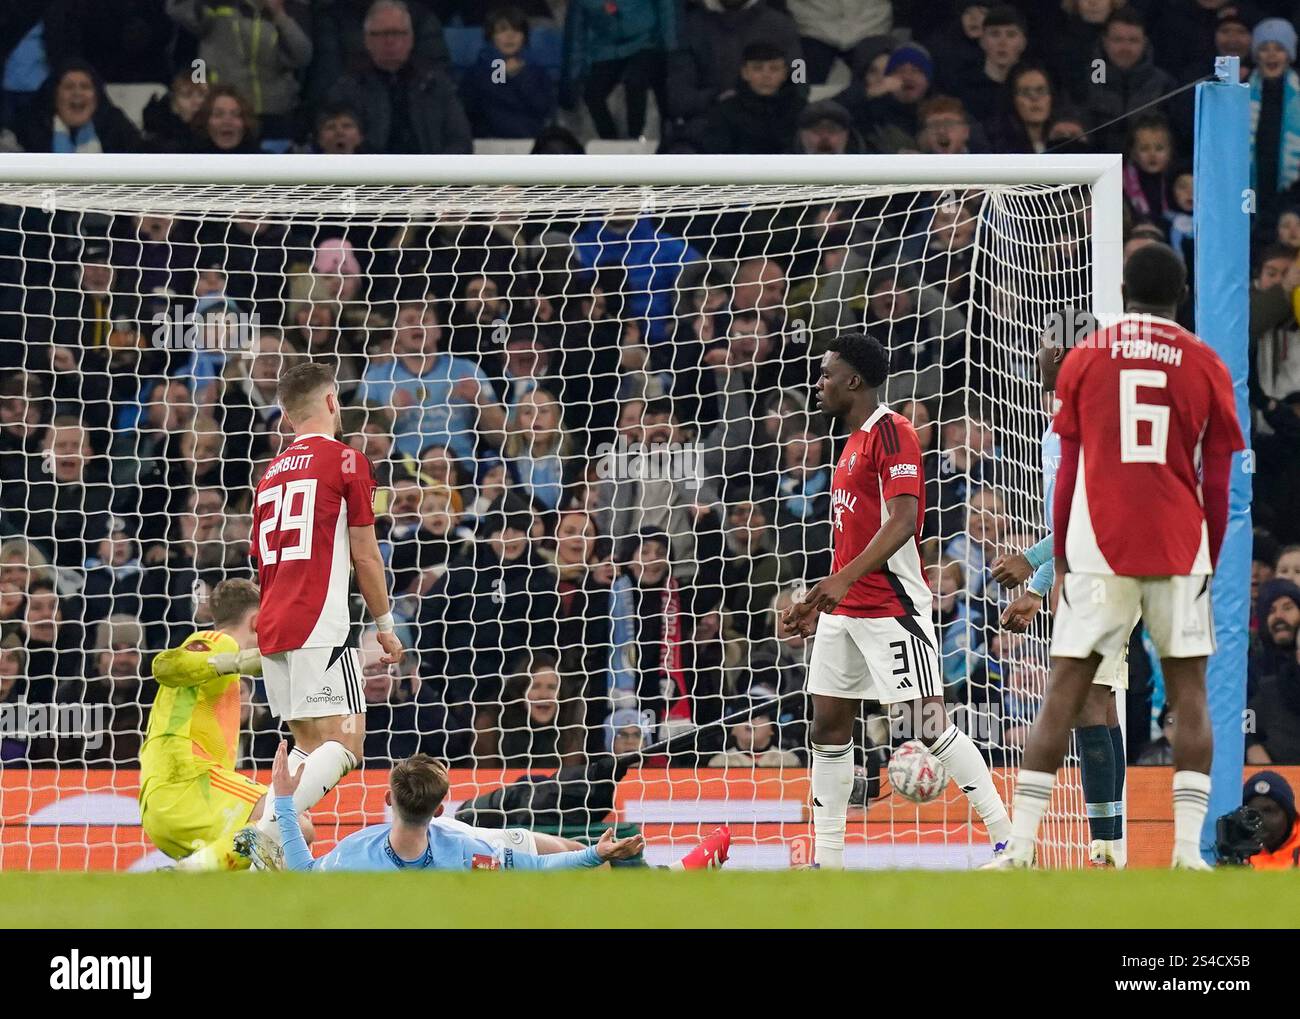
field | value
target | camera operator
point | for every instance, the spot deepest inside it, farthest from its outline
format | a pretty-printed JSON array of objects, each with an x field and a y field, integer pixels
[{"x": 1264, "y": 831}]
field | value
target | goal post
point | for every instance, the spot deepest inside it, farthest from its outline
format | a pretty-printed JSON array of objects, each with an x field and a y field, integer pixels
[
  {"x": 633, "y": 342},
  {"x": 1222, "y": 195}
]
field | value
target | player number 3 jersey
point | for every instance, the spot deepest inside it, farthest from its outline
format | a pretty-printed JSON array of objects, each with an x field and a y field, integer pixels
[
  {"x": 879, "y": 461},
  {"x": 306, "y": 501}
]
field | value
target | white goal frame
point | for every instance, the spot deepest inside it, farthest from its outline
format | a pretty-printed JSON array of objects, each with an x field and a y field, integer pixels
[
  {"x": 20, "y": 173},
  {"x": 1101, "y": 173}
]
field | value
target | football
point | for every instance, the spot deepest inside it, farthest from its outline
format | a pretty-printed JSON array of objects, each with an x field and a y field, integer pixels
[{"x": 916, "y": 774}]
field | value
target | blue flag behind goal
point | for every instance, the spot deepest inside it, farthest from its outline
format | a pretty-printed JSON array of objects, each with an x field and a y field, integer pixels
[{"x": 1221, "y": 175}]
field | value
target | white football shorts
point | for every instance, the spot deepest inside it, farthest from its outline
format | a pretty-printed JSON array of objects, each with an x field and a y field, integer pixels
[
  {"x": 313, "y": 682},
  {"x": 1097, "y": 612},
  {"x": 890, "y": 660}
]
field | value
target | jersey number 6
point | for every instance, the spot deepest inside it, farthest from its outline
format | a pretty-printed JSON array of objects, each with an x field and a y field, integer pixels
[
  {"x": 1132, "y": 412},
  {"x": 284, "y": 516}
]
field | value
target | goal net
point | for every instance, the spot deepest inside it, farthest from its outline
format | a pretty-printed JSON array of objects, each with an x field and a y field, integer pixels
[{"x": 601, "y": 469}]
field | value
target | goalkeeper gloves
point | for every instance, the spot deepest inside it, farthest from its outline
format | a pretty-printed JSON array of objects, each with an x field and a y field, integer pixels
[{"x": 246, "y": 663}]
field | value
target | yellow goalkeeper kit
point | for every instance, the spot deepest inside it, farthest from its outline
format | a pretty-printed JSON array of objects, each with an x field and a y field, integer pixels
[{"x": 191, "y": 797}]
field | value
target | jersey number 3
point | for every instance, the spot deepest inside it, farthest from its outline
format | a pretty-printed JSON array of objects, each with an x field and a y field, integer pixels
[
  {"x": 292, "y": 509},
  {"x": 1132, "y": 413}
]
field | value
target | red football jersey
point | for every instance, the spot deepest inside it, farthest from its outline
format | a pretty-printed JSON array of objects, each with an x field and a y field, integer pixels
[
  {"x": 1142, "y": 398},
  {"x": 880, "y": 460},
  {"x": 306, "y": 501}
]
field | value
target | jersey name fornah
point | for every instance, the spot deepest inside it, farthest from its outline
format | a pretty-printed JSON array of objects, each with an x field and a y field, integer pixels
[{"x": 1146, "y": 350}]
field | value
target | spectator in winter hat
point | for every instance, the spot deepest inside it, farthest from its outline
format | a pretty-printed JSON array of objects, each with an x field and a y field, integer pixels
[
  {"x": 1232, "y": 38},
  {"x": 753, "y": 741},
  {"x": 1275, "y": 115},
  {"x": 1272, "y": 796},
  {"x": 627, "y": 731},
  {"x": 888, "y": 121},
  {"x": 1278, "y": 611},
  {"x": 825, "y": 128}
]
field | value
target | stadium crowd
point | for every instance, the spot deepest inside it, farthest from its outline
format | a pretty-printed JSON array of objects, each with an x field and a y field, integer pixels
[{"x": 558, "y": 607}]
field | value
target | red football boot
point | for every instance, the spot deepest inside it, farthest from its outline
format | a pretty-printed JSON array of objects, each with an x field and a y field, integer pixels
[{"x": 710, "y": 854}]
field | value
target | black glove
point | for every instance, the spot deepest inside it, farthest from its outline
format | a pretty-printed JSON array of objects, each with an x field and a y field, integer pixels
[{"x": 1237, "y": 836}]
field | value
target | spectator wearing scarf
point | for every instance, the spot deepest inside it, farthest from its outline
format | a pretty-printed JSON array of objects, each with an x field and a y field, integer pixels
[
  {"x": 72, "y": 113},
  {"x": 1274, "y": 113}
]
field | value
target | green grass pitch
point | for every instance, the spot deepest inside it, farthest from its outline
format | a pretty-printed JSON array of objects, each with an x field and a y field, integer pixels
[{"x": 646, "y": 898}]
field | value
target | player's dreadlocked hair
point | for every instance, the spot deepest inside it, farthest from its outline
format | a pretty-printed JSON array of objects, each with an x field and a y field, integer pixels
[{"x": 865, "y": 353}]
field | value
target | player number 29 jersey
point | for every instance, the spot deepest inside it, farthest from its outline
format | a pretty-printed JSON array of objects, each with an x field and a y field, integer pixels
[
  {"x": 879, "y": 461},
  {"x": 306, "y": 501}
]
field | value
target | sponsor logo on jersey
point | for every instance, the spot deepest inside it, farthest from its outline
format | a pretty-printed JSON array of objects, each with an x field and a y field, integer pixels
[
  {"x": 853, "y": 459},
  {"x": 902, "y": 471}
]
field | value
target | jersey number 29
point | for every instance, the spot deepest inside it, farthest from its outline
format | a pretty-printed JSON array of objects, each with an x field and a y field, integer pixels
[
  {"x": 1132, "y": 412},
  {"x": 285, "y": 516}
]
